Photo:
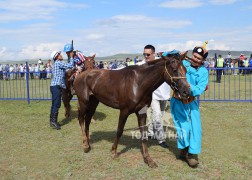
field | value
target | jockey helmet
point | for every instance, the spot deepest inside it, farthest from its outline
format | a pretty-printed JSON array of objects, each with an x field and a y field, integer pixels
[
  {"x": 54, "y": 54},
  {"x": 68, "y": 48}
]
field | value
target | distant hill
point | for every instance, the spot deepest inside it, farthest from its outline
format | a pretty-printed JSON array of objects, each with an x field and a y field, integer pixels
[
  {"x": 234, "y": 54},
  {"x": 122, "y": 57},
  {"x": 119, "y": 57}
]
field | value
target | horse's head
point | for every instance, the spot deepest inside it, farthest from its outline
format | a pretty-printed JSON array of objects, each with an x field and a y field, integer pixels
[
  {"x": 89, "y": 62},
  {"x": 90, "y": 58},
  {"x": 175, "y": 75}
]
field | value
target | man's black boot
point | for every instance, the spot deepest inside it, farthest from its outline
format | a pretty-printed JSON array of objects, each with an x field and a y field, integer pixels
[{"x": 54, "y": 121}]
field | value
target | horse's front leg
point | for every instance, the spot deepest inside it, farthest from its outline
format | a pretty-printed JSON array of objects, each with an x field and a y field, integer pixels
[
  {"x": 122, "y": 120},
  {"x": 82, "y": 115},
  {"x": 143, "y": 129},
  {"x": 66, "y": 98}
]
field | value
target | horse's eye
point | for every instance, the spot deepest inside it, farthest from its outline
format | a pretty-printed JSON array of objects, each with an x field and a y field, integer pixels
[{"x": 175, "y": 70}]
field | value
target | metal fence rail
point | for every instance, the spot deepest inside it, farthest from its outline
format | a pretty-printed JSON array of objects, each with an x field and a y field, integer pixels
[
  {"x": 236, "y": 85},
  {"x": 24, "y": 86}
]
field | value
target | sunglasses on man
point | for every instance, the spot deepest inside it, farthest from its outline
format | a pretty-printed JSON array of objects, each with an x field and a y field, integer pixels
[{"x": 146, "y": 54}]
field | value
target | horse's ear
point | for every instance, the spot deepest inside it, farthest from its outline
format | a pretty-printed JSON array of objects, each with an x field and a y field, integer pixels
[
  {"x": 94, "y": 56},
  {"x": 183, "y": 56}
]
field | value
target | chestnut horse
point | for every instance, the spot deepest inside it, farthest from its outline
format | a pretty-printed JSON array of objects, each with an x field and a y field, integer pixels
[
  {"x": 89, "y": 63},
  {"x": 129, "y": 90}
]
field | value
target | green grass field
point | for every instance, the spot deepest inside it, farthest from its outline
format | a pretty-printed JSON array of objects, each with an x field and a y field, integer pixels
[{"x": 30, "y": 149}]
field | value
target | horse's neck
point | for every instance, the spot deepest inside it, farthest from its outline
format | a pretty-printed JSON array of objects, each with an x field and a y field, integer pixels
[{"x": 152, "y": 77}]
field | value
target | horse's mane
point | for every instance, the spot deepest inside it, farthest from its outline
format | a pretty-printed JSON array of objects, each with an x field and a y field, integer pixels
[
  {"x": 155, "y": 61},
  {"x": 162, "y": 59},
  {"x": 159, "y": 61}
]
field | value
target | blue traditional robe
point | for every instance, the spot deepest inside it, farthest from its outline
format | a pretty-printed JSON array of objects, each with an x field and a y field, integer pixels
[{"x": 186, "y": 117}]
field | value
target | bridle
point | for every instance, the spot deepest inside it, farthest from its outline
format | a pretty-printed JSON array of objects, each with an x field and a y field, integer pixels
[{"x": 173, "y": 83}]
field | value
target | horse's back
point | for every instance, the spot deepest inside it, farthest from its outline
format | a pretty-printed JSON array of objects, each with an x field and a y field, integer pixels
[{"x": 109, "y": 86}]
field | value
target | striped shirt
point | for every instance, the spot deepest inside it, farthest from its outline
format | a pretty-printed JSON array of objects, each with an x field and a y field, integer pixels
[{"x": 59, "y": 69}]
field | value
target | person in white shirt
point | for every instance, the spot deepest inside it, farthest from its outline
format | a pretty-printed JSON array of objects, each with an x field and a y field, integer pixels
[
  {"x": 11, "y": 70},
  {"x": 158, "y": 104},
  {"x": 21, "y": 70}
]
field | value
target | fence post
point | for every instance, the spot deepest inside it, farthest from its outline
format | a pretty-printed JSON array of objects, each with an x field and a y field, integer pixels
[{"x": 27, "y": 82}]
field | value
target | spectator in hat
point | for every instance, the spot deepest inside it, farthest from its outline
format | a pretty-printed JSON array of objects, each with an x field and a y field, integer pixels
[{"x": 57, "y": 83}]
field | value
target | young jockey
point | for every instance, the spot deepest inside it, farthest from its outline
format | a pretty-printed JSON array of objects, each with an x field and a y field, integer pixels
[
  {"x": 186, "y": 115},
  {"x": 79, "y": 60}
]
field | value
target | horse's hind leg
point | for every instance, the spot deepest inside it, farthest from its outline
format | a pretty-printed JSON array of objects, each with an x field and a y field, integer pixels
[
  {"x": 122, "y": 120},
  {"x": 82, "y": 113},
  {"x": 143, "y": 129}
]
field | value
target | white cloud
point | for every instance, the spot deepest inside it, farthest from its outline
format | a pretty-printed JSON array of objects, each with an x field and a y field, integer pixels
[
  {"x": 16, "y": 10},
  {"x": 222, "y": 2},
  {"x": 142, "y": 22},
  {"x": 126, "y": 33},
  {"x": 94, "y": 36},
  {"x": 3, "y": 49},
  {"x": 190, "y": 44},
  {"x": 182, "y": 46},
  {"x": 42, "y": 51},
  {"x": 181, "y": 4},
  {"x": 130, "y": 18}
]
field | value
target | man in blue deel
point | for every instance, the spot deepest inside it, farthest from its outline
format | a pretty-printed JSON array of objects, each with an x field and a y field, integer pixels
[{"x": 186, "y": 114}]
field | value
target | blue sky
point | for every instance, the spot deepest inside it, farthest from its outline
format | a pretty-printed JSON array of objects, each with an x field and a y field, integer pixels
[{"x": 32, "y": 29}]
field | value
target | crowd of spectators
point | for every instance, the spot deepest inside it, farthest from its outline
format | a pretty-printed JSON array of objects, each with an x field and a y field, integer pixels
[
  {"x": 39, "y": 70},
  {"x": 230, "y": 64}
]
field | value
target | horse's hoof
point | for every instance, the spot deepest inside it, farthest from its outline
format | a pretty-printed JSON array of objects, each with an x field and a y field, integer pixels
[
  {"x": 86, "y": 150},
  {"x": 150, "y": 163},
  {"x": 115, "y": 156},
  {"x": 67, "y": 115}
]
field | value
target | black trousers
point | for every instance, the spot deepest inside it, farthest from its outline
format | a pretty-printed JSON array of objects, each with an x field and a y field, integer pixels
[
  {"x": 218, "y": 73},
  {"x": 56, "y": 98}
]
